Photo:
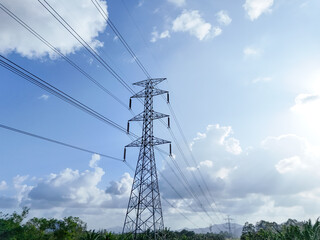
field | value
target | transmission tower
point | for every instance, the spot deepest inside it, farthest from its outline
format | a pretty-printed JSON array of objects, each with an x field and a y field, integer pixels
[
  {"x": 144, "y": 212},
  {"x": 229, "y": 225}
]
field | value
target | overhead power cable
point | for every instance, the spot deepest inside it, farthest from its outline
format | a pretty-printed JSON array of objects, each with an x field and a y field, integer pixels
[
  {"x": 123, "y": 41},
  {"x": 58, "y": 142},
  {"x": 180, "y": 196},
  {"x": 133, "y": 170},
  {"x": 192, "y": 157},
  {"x": 73, "y": 64},
  {"x": 6, "y": 63},
  {"x": 115, "y": 30},
  {"x": 188, "y": 187},
  {"x": 91, "y": 50},
  {"x": 78, "y": 35}
]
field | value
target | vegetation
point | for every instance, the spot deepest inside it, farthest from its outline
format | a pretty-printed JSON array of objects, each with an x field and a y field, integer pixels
[
  {"x": 15, "y": 227},
  {"x": 291, "y": 230}
]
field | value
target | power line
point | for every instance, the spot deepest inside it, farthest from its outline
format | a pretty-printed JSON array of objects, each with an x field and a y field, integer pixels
[
  {"x": 58, "y": 142},
  {"x": 6, "y": 63},
  {"x": 186, "y": 184},
  {"x": 115, "y": 30},
  {"x": 193, "y": 175},
  {"x": 92, "y": 152},
  {"x": 133, "y": 170},
  {"x": 123, "y": 41},
  {"x": 83, "y": 40},
  {"x": 92, "y": 51},
  {"x": 193, "y": 158},
  {"x": 73, "y": 64}
]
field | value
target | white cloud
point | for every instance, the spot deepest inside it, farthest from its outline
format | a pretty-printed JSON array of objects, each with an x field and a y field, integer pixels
[
  {"x": 70, "y": 188},
  {"x": 255, "y": 8},
  {"x": 254, "y": 182},
  {"x": 193, "y": 23},
  {"x": 305, "y": 98},
  {"x": 22, "y": 189},
  {"x": 278, "y": 178},
  {"x": 223, "y": 173},
  {"x": 223, "y": 18},
  {"x": 178, "y": 3},
  {"x": 122, "y": 187},
  {"x": 156, "y": 35},
  {"x": 72, "y": 193},
  {"x": 251, "y": 52},
  {"x": 261, "y": 79},
  {"x": 233, "y": 146},
  {"x": 306, "y": 110},
  {"x": 3, "y": 185},
  {"x": 206, "y": 163},
  {"x": 44, "y": 97},
  {"x": 289, "y": 164},
  {"x": 229, "y": 143},
  {"x": 306, "y": 105},
  {"x": 81, "y": 14},
  {"x": 94, "y": 161},
  {"x": 216, "y": 31}
]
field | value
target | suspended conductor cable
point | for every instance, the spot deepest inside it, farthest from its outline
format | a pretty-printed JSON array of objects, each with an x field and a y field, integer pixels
[
  {"x": 188, "y": 186},
  {"x": 92, "y": 51},
  {"x": 191, "y": 154},
  {"x": 42, "y": 39},
  {"x": 6, "y": 63},
  {"x": 129, "y": 166},
  {"x": 57, "y": 142},
  {"x": 123, "y": 41},
  {"x": 115, "y": 30}
]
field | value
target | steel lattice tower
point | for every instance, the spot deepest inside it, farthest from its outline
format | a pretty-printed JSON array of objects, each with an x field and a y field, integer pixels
[{"x": 144, "y": 212}]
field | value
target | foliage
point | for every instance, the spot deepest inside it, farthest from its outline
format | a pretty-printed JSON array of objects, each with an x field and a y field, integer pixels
[
  {"x": 292, "y": 230},
  {"x": 16, "y": 227}
]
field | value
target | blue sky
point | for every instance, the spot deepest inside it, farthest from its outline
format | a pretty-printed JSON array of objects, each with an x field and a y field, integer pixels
[{"x": 244, "y": 82}]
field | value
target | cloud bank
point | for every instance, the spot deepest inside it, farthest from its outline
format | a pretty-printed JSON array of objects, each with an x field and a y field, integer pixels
[
  {"x": 81, "y": 14},
  {"x": 275, "y": 180}
]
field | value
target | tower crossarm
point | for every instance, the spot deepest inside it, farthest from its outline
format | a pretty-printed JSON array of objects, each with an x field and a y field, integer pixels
[
  {"x": 155, "y": 141},
  {"x": 153, "y": 81},
  {"x": 155, "y": 115},
  {"x": 154, "y": 92}
]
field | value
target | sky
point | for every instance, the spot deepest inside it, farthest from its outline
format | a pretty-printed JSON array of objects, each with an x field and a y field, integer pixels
[{"x": 243, "y": 78}]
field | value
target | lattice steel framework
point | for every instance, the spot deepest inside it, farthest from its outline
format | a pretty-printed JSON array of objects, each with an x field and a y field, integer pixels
[{"x": 144, "y": 212}]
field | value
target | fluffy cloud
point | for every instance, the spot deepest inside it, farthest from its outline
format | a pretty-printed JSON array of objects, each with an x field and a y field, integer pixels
[
  {"x": 72, "y": 192},
  {"x": 251, "y": 184},
  {"x": 3, "y": 185},
  {"x": 75, "y": 189},
  {"x": 178, "y": 3},
  {"x": 223, "y": 18},
  {"x": 81, "y": 14},
  {"x": 277, "y": 178},
  {"x": 156, "y": 35},
  {"x": 289, "y": 164},
  {"x": 193, "y": 23},
  {"x": 122, "y": 187},
  {"x": 255, "y": 8},
  {"x": 251, "y": 52}
]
